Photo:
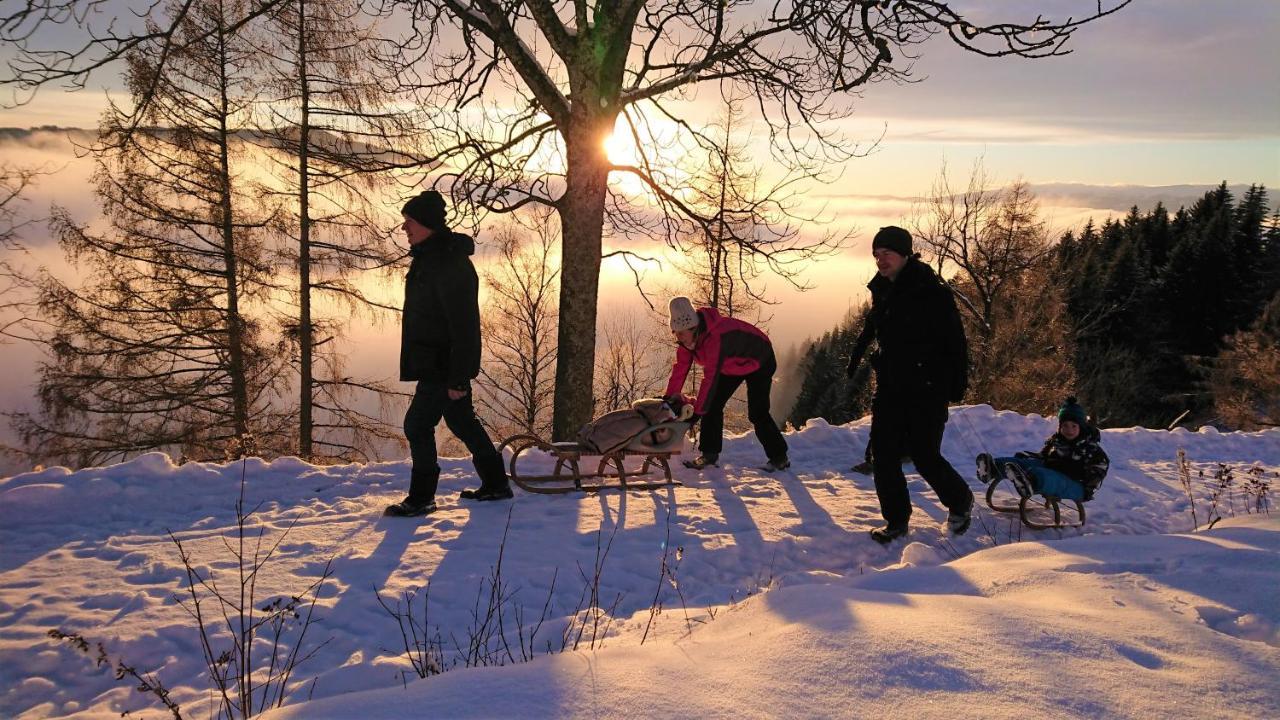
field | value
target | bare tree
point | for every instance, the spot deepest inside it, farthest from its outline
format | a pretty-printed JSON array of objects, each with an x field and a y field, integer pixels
[
  {"x": 526, "y": 90},
  {"x": 326, "y": 121},
  {"x": 578, "y": 69},
  {"x": 15, "y": 282},
  {"x": 16, "y": 288},
  {"x": 990, "y": 235},
  {"x": 1245, "y": 377},
  {"x": 994, "y": 242},
  {"x": 1026, "y": 363},
  {"x": 755, "y": 225},
  {"x": 519, "y": 325},
  {"x": 159, "y": 347},
  {"x": 632, "y": 362}
]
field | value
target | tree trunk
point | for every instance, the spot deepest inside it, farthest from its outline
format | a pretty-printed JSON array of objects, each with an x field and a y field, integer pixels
[
  {"x": 236, "y": 371},
  {"x": 581, "y": 224},
  {"x": 305, "y": 339}
]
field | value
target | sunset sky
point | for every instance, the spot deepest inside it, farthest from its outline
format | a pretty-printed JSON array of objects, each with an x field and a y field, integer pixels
[{"x": 1164, "y": 93}]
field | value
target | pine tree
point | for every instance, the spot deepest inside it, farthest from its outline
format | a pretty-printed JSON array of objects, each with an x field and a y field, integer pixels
[
  {"x": 1200, "y": 285},
  {"x": 826, "y": 391},
  {"x": 1257, "y": 264},
  {"x": 160, "y": 348},
  {"x": 1153, "y": 300}
]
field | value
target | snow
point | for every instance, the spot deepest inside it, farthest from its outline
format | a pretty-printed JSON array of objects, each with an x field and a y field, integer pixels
[{"x": 781, "y": 606}]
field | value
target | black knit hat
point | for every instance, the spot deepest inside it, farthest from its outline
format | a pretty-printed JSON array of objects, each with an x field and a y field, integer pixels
[
  {"x": 892, "y": 237},
  {"x": 427, "y": 209},
  {"x": 1073, "y": 411}
]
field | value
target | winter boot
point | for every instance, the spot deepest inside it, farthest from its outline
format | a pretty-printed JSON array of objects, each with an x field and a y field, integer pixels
[
  {"x": 409, "y": 507},
  {"x": 889, "y": 533},
  {"x": 776, "y": 464},
  {"x": 1018, "y": 477},
  {"x": 484, "y": 494},
  {"x": 702, "y": 461},
  {"x": 958, "y": 521},
  {"x": 987, "y": 470}
]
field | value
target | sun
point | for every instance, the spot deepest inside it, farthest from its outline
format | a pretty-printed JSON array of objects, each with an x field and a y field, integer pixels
[{"x": 620, "y": 148}]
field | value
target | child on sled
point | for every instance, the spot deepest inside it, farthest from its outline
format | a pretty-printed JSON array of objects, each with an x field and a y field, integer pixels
[{"x": 1070, "y": 466}]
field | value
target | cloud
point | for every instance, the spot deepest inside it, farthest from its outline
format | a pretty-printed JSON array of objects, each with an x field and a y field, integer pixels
[
  {"x": 65, "y": 180},
  {"x": 1171, "y": 70}
]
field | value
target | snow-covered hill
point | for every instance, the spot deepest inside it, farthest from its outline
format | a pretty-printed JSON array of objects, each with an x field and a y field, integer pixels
[{"x": 1133, "y": 616}]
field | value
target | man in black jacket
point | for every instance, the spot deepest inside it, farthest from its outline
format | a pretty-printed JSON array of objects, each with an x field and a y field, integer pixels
[
  {"x": 922, "y": 363},
  {"x": 440, "y": 349}
]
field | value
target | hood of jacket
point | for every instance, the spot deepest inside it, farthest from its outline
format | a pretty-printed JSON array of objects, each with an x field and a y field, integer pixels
[{"x": 447, "y": 243}]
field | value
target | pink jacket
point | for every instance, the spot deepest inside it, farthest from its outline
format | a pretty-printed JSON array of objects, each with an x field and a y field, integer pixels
[{"x": 729, "y": 347}]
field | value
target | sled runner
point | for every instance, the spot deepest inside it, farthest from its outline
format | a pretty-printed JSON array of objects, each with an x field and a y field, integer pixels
[
  {"x": 649, "y": 429},
  {"x": 1040, "y": 512},
  {"x": 567, "y": 460}
]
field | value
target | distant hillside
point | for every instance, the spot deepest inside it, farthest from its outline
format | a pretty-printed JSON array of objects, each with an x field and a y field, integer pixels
[
  {"x": 52, "y": 137},
  {"x": 1121, "y": 198},
  {"x": 45, "y": 137}
]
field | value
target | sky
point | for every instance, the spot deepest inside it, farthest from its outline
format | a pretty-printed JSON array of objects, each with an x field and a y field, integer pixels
[
  {"x": 1163, "y": 92},
  {"x": 774, "y": 602},
  {"x": 1158, "y": 102}
]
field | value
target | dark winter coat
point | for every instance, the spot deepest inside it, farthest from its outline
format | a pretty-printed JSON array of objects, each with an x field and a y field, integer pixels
[
  {"x": 1082, "y": 459},
  {"x": 440, "y": 329},
  {"x": 923, "y": 351}
]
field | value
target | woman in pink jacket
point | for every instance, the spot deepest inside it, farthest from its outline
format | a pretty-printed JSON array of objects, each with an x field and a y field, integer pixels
[{"x": 730, "y": 352}]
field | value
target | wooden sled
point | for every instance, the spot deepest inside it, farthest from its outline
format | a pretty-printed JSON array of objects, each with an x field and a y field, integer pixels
[
  {"x": 610, "y": 473},
  {"x": 1038, "y": 512}
]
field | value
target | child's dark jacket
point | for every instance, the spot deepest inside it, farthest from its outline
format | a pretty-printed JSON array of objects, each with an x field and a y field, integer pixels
[{"x": 1082, "y": 459}]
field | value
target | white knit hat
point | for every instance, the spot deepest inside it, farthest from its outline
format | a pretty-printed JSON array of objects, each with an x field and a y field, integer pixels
[{"x": 683, "y": 316}]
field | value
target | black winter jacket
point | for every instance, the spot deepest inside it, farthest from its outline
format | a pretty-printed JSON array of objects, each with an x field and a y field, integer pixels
[
  {"x": 1082, "y": 459},
  {"x": 440, "y": 329},
  {"x": 923, "y": 351}
]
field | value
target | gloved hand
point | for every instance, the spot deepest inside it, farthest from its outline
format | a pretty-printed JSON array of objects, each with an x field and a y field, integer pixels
[{"x": 680, "y": 407}]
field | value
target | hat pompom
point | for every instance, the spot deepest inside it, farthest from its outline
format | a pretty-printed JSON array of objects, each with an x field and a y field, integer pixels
[{"x": 1072, "y": 410}]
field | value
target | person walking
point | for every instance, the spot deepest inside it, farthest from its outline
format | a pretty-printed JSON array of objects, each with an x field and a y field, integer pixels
[
  {"x": 730, "y": 352},
  {"x": 922, "y": 363},
  {"x": 440, "y": 351}
]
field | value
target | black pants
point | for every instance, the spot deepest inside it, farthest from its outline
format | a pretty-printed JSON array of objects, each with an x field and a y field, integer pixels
[
  {"x": 759, "y": 383},
  {"x": 431, "y": 403},
  {"x": 905, "y": 425}
]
